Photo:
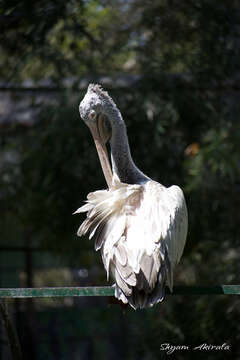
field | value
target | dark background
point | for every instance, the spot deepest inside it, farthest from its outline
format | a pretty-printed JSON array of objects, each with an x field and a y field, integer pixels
[{"x": 172, "y": 67}]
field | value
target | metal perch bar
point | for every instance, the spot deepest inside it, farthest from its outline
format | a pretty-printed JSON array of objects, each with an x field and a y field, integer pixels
[{"x": 109, "y": 291}]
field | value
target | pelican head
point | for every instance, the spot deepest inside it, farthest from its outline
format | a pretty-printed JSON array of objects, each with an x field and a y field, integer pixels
[{"x": 94, "y": 109}]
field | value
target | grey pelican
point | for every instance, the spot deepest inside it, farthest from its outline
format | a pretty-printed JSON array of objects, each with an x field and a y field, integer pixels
[{"x": 139, "y": 224}]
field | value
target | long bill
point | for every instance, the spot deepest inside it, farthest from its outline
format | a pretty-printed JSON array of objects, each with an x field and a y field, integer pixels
[{"x": 102, "y": 151}]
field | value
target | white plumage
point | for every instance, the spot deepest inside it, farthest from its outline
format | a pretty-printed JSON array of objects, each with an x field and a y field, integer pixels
[
  {"x": 141, "y": 230},
  {"x": 141, "y": 243}
]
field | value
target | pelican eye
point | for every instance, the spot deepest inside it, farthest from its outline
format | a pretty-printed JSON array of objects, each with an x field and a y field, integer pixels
[{"x": 92, "y": 114}]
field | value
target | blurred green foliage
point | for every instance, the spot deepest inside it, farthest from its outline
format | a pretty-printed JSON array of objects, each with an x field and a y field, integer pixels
[{"x": 182, "y": 117}]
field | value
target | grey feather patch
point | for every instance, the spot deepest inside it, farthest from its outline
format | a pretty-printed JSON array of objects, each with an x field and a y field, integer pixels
[
  {"x": 119, "y": 294},
  {"x": 126, "y": 274},
  {"x": 127, "y": 290},
  {"x": 146, "y": 266},
  {"x": 159, "y": 291},
  {"x": 120, "y": 252}
]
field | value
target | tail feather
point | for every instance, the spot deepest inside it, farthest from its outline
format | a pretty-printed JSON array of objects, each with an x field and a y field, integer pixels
[{"x": 140, "y": 298}]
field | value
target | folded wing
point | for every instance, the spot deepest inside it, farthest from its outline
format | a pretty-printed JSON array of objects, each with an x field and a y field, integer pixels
[{"x": 141, "y": 231}]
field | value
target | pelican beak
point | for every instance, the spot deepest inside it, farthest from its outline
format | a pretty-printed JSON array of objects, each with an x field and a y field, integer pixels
[{"x": 96, "y": 129}]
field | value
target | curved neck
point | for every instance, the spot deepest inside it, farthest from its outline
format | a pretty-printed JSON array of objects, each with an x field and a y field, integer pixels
[{"x": 122, "y": 162}]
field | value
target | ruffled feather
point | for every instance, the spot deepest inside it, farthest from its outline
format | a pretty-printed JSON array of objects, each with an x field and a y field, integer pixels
[{"x": 141, "y": 231}]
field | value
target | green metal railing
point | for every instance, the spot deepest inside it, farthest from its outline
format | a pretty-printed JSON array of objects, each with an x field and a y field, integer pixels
[
  {"x": 46, "y": 292},
  {"x": 109, "y": 291}
]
